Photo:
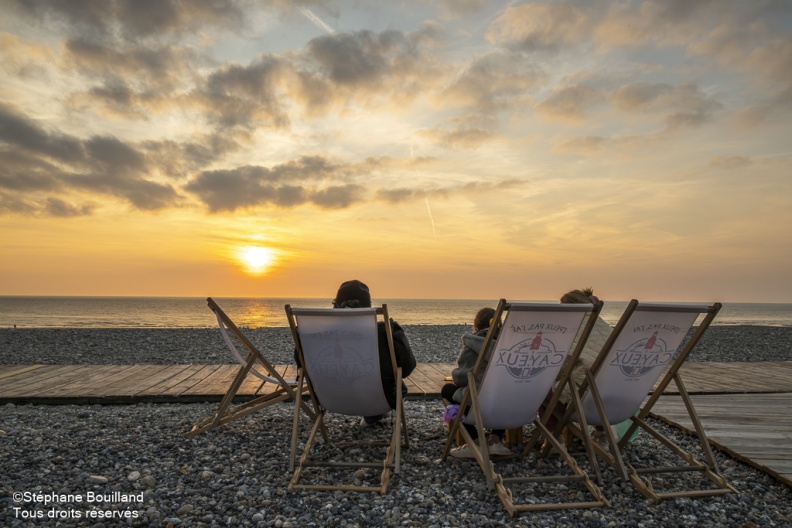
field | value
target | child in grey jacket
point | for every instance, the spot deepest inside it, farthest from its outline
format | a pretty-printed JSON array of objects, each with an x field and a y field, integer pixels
[{"x": 453, "y": 393}]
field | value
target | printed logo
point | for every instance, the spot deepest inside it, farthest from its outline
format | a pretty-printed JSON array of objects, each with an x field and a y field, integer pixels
[
  {"x": 344, "y": 364},
  {"x": 643, "y": 356},
  {"x": 529, "y": 358}
]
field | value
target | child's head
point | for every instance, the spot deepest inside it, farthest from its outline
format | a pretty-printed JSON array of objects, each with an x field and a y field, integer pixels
[
  {"x": 584, "y": 296},
  {"x": 483, "y": 319}
]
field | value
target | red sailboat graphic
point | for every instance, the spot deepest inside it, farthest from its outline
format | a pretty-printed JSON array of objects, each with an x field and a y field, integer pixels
[{"x": 537, "y": 342}]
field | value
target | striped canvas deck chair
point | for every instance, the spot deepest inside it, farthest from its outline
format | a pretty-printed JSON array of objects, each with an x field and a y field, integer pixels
[
  {"x": 529, "y": 352},
  {"x": 338, "y": 349},
  {"x": 252, "y": 365},
  {"x": 643, "y": 346}
]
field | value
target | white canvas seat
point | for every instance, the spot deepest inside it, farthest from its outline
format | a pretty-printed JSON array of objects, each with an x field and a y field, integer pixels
[
  {"x": 338, "y": 349},
  {"x": 645, "y": 345},
  {"x": 254, "y": 364},
  {"x": 529, "y": 352}
]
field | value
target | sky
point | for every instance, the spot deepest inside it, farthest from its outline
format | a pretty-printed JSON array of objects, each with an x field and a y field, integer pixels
[{"x": 441, "y": 149}]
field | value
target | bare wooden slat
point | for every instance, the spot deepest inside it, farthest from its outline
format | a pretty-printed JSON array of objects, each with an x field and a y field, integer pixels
[
  {"x": 42, "y": 380},
  {"x": 217, "y": 383},
  {"x": 87, "y": 383},
  {"x": 13, "y": 370},
  {"x": 166, "y": 386},
  {"x": 195, "y": 379}
]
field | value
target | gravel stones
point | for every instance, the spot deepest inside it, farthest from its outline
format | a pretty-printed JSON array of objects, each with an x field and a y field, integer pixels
[
  {"x": 431, "y": 344},
  {"x": 238, "y": 476}
]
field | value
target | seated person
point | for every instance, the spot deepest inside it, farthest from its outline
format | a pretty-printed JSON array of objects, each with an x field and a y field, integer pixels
[
  {"x": 355, "y": 294},
  {"x": 599, "y": 334},
  {"x": 454, "y": 392}
]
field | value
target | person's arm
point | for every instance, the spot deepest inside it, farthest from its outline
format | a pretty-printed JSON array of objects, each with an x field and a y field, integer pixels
[
  {"x": 402, "y": 350},
  {"x": 465, "y": 363}
]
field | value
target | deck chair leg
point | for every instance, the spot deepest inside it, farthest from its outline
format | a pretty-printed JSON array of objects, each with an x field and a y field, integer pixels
[
  {"x": 484, "y": 459},
  {"x": 702, "y": 436},
  {"x": 228, "y": 398},
  {"x": 307, "y": 449},
  {"x": 585, "y": 437},
  {"x": 615, "y": 453},
  {"x": 399, "y": 415},
  {"x": 296, "y": 425}
]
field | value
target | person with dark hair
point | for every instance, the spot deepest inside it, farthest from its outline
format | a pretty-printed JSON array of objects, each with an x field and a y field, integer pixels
[
  {"x": 472, "y": 345},
  {"x": 355, "y": 294}
]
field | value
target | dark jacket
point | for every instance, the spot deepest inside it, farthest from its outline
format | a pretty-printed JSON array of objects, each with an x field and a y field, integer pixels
[{"x": 404, "y": 358}]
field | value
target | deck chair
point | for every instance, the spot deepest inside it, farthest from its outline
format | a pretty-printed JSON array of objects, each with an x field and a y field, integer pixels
[
  {"x": 255, "y": 365},
  {"x": 642, "y": 347},
  {"x": 529, "y": 352},
  {"x": 338, "y": 349}
]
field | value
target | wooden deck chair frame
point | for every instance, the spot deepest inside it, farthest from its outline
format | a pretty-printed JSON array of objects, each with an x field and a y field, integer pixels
[
  {"x": 392, "y": 459},
  {"x": 284, "y": 388},
  {"x": 472, "y": 397},
  {"x": 591, "y": 393}
]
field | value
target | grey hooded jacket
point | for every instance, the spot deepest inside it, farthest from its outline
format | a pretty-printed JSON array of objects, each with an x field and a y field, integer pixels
[{"x": 471, "y": 346}]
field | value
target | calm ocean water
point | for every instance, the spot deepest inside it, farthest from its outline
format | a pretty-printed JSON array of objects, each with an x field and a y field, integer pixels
[{"x": 192, "y": 312}]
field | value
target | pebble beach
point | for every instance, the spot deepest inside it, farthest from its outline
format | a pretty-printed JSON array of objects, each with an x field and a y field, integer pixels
[{"x": 132, "y": 465}]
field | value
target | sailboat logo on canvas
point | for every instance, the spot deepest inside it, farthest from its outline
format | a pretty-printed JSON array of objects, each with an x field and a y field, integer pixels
[
  {"x": 642, "y": 356},
  {"x": 529, "y": 358},
  {"x": 344, "y": 364}
]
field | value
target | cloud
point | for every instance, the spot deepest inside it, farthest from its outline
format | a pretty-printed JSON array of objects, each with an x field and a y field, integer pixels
[
  {"x": 286, "y": 185},
  {"x": 361, "y": 58},
  {"x": 683, "y": 105},
  {"x": 493, "y": 82},
  {"x": 37, "y": 160},
  {"x": 582, "y": 145},
  {"x": 730, "y": 162},
  {"x": 542, "y": 27},
  {"x": 134, "y": 18},
  {"x": 20, "y": 132},
  {"x": 244, "y": 96},
  {"x": 398, "y": 195},
  {"x": 570, "y": 103},
  {"x": 58, "y": 208},
  {"x": 466, "y": 132},
  {"x": 338, "y": 196},
  {"x": 366, "y": 66}
]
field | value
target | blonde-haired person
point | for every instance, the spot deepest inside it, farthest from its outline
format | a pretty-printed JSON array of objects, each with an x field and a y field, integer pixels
[
  {"x": 599, "y": 334},
  {"x": 472, "y": 344}
]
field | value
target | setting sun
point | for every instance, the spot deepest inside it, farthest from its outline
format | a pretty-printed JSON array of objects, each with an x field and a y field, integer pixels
[{"x": 256, "y": 259}]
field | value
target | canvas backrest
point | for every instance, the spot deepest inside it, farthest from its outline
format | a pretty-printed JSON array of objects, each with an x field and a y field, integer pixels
[
  {"x": 528, "y": 354},
  {"x": 645, "y": 346},
  {"x": 341, "y": 359}
]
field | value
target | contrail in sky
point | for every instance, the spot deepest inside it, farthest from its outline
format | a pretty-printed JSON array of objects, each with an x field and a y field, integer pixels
[
  {"x": 310, "y": 15},
  {"x": 426, "y": 197},
  {"x": 430, "y": 214}
]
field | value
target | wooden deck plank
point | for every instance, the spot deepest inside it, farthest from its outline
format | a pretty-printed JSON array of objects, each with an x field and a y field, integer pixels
[
  {"x": 42, "y": 380},
  {"x": 140, "y": 387},
  {"x": 172, "y": 385},
  {"x": 92, "y": 381},
  {"x": 427, "y": 380},
  {"x": 754, "y": 428},
  {"x": 13, "y": 370},
  {"x": 216, "y": 384},
  {"x": 423, "y": 383}
]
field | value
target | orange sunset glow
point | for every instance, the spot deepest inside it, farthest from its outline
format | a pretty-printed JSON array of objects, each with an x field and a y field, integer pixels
[{"x": 446, "y": 149}]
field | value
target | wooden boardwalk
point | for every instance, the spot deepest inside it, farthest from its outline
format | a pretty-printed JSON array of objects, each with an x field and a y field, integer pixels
[
  {"x": 754, "y": 428},
  {"x": 746, "y": 408}
]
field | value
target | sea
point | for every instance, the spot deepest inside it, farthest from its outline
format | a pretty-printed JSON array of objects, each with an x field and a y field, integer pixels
[{"x": 192, "y": 312}]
